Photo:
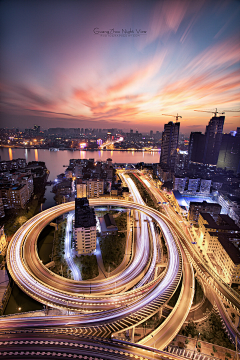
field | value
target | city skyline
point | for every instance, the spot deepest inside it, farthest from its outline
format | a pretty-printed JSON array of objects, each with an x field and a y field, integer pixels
[{"x": 119, "y": 65}]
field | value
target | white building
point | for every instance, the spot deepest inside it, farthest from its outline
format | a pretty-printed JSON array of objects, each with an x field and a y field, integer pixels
[
  {"x": 180, "y": 183},
  {"x": 81, "y": 190},
  {"x": 85, "y": 227},
  {"x": 194, "y": 184},
  {"x": 205, "y": 186}
]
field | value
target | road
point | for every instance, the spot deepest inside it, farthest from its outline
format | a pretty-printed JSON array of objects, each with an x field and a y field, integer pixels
[
  {"x": 28, "y": 273},
  {"x": 208, "y": 275},
  {"x": 121, "y": 301},
  {"x": 68, "y": 249}
]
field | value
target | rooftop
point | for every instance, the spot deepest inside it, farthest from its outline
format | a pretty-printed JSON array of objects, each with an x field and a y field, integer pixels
[
  {"x": 84, "y": 214},
  {"x": 225, "y": 241},
  {"x": 224, "y": 222}
]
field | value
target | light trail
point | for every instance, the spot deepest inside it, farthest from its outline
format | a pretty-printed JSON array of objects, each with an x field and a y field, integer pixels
[
  {"x": 68, "y": 249},
  {"x": 71, "y": 300}
]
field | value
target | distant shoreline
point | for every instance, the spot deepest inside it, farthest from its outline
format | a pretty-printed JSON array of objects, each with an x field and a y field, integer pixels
[{"x": 69, "y": 149}]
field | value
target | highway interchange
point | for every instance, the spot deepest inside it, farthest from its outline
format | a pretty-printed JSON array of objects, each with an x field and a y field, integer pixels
[{"x": 126, "y": 299}]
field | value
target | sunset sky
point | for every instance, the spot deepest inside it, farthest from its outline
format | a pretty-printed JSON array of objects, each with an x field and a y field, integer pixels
[{"x": 57, "y": 71}]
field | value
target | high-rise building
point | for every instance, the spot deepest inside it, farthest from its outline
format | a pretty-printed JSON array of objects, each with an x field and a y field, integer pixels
[
  {"x": 81, "y": 188},
  {"x": 169, "y": 144},
  {"x": 229, "y": 154},
  {"x": 95, "y": 188},
  {"x": 213, "y": 138},
  {"x": 196, "y": 147},
  {"x": 204, "y": 148},
  {"x": 85, "y": 226}
]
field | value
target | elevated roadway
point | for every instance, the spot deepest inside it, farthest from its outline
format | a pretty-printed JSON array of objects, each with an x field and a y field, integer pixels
[{"x": 131, "y": 307}]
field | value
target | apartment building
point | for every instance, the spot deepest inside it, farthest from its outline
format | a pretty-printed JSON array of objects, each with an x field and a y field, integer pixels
[
  {"x": 3, "y": 241},
  {"x": 220, "y": 240},
  {"x": 225, "y": 256},
  {"x": 85, "y": 227},
  {"x": 81, "y": 188},
  {"x": 95, "y": 188},
  {"x": 205, "y": 186},
  {"x": 179, "y": 183},
  {"x": 195, "y": 208},
  {"x": 14, "y": 196}
]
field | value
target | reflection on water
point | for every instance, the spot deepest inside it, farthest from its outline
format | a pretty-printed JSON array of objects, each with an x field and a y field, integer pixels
[
  {"x": 82, "y": 154},
  {"x": 56, "y": 159},
  {"x": 10, "y": 154},
  {"x": 36, "y": 154}
]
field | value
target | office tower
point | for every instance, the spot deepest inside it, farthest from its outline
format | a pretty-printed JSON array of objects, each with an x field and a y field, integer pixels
[
  {"x": 85, "y": 226},
  {"x": 196, "y": 147},
  {"x": 169, "y": 144},
  {"x": 229, "y": 154},
  {"x": 151, "y": 133},
  {"x": 213, "y": 138}
]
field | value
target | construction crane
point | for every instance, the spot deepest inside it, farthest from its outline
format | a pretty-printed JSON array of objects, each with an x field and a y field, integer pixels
[
  {"x": 232, "y": 110},
  {"x": 178, "y": 116},
  {"x": 212, "y": 112}
]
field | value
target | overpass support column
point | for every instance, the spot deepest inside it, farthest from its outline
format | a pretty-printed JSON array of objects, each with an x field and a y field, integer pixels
[{"x": 133, "y": 332}]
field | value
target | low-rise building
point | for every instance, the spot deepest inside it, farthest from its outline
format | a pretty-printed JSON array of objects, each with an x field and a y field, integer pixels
[
  {"x": 85, "y": 227},
  {"x": 5, "y": 290},
  {"x": 205, "y": 186},
  {"x": 14, "y": 196},
  {"x": 108, "y": 225},
  {"x": 179, "y": 183},
  {"x": 195, "y": 208},
  {"x": 125, "y": 192},
  {"x": 194, "y": 184},
  {"x": 3, "y": 241}
]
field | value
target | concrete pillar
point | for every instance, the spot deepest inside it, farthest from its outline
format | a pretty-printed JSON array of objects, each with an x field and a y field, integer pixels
[{"x": 133, "y": 332}]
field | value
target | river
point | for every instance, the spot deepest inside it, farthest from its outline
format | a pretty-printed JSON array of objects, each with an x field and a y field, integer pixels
[{"x": 55, "y": 160}]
